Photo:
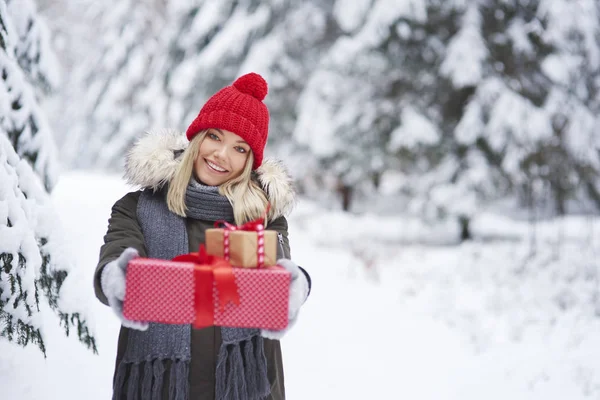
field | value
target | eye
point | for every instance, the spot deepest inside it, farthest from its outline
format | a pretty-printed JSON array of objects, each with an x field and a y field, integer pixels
[
  {"x": 213, "y": 136},
  {"x": 241, "y": 149}
]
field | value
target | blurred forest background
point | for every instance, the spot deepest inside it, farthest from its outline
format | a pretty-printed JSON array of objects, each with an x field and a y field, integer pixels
[
  {"x": 436, "y": 108},
  {"x": 439, "y": 110}
]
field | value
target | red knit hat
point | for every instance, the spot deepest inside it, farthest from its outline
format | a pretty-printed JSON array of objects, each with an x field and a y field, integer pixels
[{"x": 239, "y": 109}]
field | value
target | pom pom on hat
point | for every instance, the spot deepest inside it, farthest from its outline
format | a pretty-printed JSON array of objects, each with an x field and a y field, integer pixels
[
  {"x": 239, "y": 109},
  {"x": 252, "y": 84}
]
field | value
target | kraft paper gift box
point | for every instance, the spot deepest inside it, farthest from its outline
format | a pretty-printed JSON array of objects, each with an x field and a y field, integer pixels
[
  {"x": 184, "y": 292},
  {"x": 243, "y": 246}
]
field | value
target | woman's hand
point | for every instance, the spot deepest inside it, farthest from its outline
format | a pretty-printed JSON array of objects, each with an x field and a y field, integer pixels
[
  {"x": 299, "y": 289},
  {"x": 112, "y": 281}
]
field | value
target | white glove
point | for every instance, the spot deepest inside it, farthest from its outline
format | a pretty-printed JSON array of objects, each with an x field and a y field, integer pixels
[
  {"x": 112, "y": 281},
  {"x": 298, "y": 295}
]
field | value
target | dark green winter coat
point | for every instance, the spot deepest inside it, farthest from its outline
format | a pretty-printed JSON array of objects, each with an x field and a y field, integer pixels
[{"x": 124, "y": 231}]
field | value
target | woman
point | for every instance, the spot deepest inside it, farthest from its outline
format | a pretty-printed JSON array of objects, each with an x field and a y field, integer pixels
[{"x": 219, "y": 175}]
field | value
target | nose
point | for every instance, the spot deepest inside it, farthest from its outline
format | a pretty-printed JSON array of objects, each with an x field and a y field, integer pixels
[{"x": 220, "y": 152}]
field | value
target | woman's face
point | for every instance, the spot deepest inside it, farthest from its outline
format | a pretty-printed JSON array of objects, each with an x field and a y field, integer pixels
[{"x": 222, "y": 156}]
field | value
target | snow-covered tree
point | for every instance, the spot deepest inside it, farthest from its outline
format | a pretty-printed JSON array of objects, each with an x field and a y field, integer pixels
[
  {"x": 531, "y": 119},
  {"x": 147, "y": 66},
  {"x": 376, "y": 103},
  {"x": 154, "y": 64},
  {"x": 287, "y": 56},
  {"x": 33, "y": 267},
  {"x": 467, "y": 101},
  {"x": 114, "y": 86},
  {"x": 26, "y": 57},
  {"x": 471, "y": 101}
]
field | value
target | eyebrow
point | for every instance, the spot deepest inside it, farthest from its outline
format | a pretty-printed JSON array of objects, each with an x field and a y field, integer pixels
[{"x": 241, "y": 141}]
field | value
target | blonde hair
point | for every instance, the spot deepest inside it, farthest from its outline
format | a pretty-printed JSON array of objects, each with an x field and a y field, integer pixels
[{"x": 247, "y": 198}]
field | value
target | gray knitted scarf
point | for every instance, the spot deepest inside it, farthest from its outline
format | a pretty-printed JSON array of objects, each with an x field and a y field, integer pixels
[{"x": 161, "y": 355}]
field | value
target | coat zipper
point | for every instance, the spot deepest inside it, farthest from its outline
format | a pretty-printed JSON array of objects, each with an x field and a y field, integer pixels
[{"x": 280, "y": 240}]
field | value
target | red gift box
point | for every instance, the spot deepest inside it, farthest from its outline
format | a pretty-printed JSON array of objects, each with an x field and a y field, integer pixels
[{"x": 201, "y": 293}]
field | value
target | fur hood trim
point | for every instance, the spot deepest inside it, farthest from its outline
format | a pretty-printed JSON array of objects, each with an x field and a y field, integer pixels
[{"x": 154, "y": 158}]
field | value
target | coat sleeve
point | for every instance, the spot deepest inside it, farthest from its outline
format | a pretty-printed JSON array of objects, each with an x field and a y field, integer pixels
[
  {"x": 123, "y": 231},
  {"x": 280, "y": 225},
  {"x": 283, "y": 251}
]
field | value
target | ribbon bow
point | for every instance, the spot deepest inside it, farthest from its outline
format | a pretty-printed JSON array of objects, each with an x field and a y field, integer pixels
[{"x": 210, "y": 269}]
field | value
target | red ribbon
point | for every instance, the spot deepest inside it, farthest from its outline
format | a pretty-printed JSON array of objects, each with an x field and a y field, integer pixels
[
  {"x": 258, "y": 226},
  {"x": 210, "y": 270}
]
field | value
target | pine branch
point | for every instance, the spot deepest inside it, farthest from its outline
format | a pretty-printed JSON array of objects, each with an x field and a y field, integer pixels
[
  {"x": 83, "y": 333},
  {"x": 2, "y": 34},
  {"x": 22, "y": 333},
  {"x": 15, "y": 329},
  {"x": 51, "y": 283}
]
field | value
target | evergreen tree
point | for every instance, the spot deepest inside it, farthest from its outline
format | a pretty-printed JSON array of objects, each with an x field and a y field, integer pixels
[
  {"x": 114, "y": 86},
  {"x": 154, "y": 65},
  {"x": 470, "y": 102},
  {"x": 32, "y": 268},
  {"x": 24, "y": 47},
  {"x": 376, "y": 103},
  {"x": 530, "y": 121}
]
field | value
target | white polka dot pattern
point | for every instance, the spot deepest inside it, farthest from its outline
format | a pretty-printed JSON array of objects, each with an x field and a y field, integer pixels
[
  {"x": 226, "y": 244},
  {"x": 264, "y": 299},
  {"x": 163, "y": 291},
  {"x": 260, "y": 245},
  {"x": 159, "y": 291}
]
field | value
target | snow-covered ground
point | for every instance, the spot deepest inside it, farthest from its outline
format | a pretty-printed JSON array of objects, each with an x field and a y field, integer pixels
[{"x": 395, "y": 312}]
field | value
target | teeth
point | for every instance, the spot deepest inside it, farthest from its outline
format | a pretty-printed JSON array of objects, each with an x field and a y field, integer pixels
[{"x": 216, "y": 167}]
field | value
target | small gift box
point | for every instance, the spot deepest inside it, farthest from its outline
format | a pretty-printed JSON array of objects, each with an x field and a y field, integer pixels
[
  {"x": 204, "y": 291},
  {"x": 242, "y": 248},
  {"x": 248, "y": 245}
]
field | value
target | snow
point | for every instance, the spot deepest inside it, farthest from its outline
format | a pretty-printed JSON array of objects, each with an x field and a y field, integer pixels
[
  {"x": 335, "y": 70},
  {"x": 466, "y": 52},
  {"x": 261, "y": 56},
  {"x": 35, "y": 136},
  {"x": 33, "y": 41},
  {"x": 316, "y": 127},
  {"x": 518, "y": 32},
  {"x": 528, "y": 124},
  {"x": 565, "y": 19},
  {"x": 382, "y": 13},
  {"x": 28, "y": 168},
  {"x": 558, "y": 67},
  {"x": 582, "y": 129},
  {"x": 350, "y": 14},
  {"x": 231, "y": 38},
  {"x": 513, "y": 314},
  {"x": 24, "y": 203},
  {"x": 527, "y": 127},
  {"x": 400, "y": 308},
  {"x": 209, "y": 16},
  {"x": 414, "y": 130}
]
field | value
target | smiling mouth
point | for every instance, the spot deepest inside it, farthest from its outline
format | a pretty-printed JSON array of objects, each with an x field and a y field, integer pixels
[{"x": 215, "y": 167}]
